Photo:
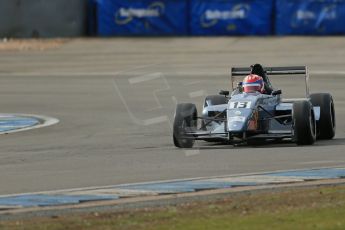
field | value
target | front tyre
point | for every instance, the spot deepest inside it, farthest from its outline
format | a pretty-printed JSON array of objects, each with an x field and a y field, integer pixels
[
  {"x": 326, "y": 123},
  {"x": 304, "y": 126},
  {"x": 185, "y": 119}
]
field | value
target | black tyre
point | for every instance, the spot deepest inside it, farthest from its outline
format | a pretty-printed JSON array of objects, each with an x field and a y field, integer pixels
[
  {"x": 185, "y": 118},
  {"x": 215, "y": 100},
  {"x": 304, "y": 125},
  {"x": 326, "y": 124}
]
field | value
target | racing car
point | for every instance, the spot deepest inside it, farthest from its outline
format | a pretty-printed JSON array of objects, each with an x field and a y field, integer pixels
[{"x": 257, "y": 118}]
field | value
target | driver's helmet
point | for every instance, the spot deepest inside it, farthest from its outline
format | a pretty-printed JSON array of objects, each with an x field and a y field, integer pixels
[{"x": 253, "y": 83}]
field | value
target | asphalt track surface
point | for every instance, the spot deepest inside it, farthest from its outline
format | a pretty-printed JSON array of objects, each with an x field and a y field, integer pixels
[{"x": 115, "y": 100}]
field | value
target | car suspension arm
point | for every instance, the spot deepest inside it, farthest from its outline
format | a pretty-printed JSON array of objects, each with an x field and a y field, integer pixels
[
  {"x": 210, "y": 119},
  {"x": 274, "y": 117}
]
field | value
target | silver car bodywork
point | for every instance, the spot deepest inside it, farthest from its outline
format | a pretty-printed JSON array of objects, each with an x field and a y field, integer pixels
[{"x": 251, "y": 116}]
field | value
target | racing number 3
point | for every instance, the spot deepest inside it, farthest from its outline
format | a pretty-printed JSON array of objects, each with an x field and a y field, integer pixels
[{"x": 240, "y": 105}]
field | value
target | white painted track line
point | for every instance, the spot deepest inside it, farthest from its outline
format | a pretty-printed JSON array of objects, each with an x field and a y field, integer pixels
[{"x": 47, "y": 121}]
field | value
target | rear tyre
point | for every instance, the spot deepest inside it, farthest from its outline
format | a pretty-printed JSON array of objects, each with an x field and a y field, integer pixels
[
  {"x": 185, "y": 119},
  {"x": 304, "y": 126},
  {"x": 215, "y": 100},
  {"x": 326, "y": 124}
]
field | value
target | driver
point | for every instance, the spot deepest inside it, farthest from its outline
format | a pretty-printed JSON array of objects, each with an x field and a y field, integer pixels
[
  {"x": 253, "y": 83},
  {"x": 257, "y": 69}
]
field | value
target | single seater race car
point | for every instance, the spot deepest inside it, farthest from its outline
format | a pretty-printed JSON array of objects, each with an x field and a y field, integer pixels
[{"x": 256, "y": 118}]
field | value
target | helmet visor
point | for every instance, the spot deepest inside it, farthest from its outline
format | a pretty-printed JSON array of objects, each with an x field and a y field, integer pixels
[{"x": 252, "y": 88}]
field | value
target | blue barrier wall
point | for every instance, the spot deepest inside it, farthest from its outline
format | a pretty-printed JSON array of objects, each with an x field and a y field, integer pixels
[
  {"x": 142, "y": 17},
  {"x": 310, "y": 17},
  {"x": 217, "y": 17},
  {"x": 231, "y": 17}
]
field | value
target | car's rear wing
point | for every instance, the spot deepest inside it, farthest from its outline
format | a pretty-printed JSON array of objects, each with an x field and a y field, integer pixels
[{"x": 289, "y": 70}]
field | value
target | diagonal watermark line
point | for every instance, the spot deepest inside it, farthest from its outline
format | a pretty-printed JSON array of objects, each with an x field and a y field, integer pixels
[{"x": 147, "y": 77}]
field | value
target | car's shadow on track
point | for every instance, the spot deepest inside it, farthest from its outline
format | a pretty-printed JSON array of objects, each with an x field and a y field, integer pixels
[
  {"x": 275, "y": 144},
  {"x": 335, "y": 141}
]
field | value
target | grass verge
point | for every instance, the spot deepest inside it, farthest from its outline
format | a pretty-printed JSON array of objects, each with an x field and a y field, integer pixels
[{"x": 298, "y": 208}]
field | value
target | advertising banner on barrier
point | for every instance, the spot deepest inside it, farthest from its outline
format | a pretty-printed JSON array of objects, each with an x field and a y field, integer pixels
[
  {"x": 310, "y": 17},
  {"x": 142, "y": 17},
  {"x": 231, "y": 17}
]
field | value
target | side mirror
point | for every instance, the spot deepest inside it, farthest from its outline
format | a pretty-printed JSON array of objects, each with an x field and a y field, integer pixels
[
  {"x": 277, "y": 92},
  {"x": 224, "y": 92}
]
